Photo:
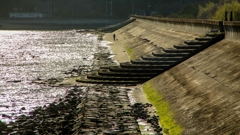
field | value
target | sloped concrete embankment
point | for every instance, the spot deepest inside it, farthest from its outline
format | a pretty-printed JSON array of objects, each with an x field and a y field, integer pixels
[
  {"x": 144, "y": 36},
  {"x": 203, "y": 91},
  {"x": 200, "y": 95}
]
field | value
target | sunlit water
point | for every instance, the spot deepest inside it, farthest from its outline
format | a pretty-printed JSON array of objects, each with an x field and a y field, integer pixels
[{"x": 28, "y": 55}]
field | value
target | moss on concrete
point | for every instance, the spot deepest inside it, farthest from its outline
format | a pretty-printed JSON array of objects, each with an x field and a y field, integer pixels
[
  {"x": 130, "y": 53},
  {"x": 169, "y": 125}
]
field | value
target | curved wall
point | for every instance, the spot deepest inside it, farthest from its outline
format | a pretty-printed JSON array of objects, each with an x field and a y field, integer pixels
[
  {"x": 203, "y": 91},
  {"x": 194, "y": 26},
  {"x": 197, "y": 26},
  {"x": 142, "y": 37}
]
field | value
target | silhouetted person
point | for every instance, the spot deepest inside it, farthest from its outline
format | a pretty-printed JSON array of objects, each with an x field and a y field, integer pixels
[{"x": 114, "y": 37}]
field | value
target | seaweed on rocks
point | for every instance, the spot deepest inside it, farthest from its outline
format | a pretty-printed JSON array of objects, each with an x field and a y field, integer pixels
[
  {"x": 140, "y": 110},
  {"x": 3, "y": 126}
]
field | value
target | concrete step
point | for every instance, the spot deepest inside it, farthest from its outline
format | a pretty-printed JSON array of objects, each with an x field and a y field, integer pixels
[
  {"x": 154, "y": 58},
  {"x": 136, "y": 70},
  {"x": 81, "y": 80},
  {"x": 160, "y": 54},
  {"x": 172, "y": 50},
  {"x": 195, "y": 42},
  {"x": 130, "y": 65},
  {"x": 137, "y": 61},
  {"x": 106, "y": 72},
  {"x": 213, "y": 34},
  {"x": 117, "y": 78},
  {"x": 140, "y": 70},
  {"x": 187, "y": 46},
  {"x": 204, "y": 38}
]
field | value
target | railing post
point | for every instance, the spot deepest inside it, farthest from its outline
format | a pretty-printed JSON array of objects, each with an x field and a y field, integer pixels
[
  {"x": 221, "y": 27},
  {"x": 226, "y": 16},
  {"x": 231, "y": 16}
]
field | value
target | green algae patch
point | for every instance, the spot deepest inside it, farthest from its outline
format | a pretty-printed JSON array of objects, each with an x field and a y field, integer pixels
[
  {"x": 169, "y": 125},
  {"x": 130, "y": 53},
  {"x": 3, "y": 126}
]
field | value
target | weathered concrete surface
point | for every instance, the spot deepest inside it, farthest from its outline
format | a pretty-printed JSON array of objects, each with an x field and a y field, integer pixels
[
  {"x": 142, "y": 37},
  {"x": 194, "y": 26},
  {"x": 232, "y": 30},
  {"x": 203, "y": 91}
]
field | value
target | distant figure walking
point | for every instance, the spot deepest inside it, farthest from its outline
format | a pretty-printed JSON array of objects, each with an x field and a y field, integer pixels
[{"x": 114, "y": 37}]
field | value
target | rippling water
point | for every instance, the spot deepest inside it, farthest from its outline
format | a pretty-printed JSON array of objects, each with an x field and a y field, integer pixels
[{"x": 28, "y": 55}]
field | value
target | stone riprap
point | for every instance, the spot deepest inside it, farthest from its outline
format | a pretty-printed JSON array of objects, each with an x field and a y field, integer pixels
[
  {"x": 57, "y": 118},
  {"x": 106, "y": 110},
  {"x": 94, "y": 109}
]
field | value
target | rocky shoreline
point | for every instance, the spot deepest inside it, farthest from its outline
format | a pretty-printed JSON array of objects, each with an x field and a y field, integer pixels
[
  {"x": 96, "y": 109},
  {"x": 86, "y": 109}
]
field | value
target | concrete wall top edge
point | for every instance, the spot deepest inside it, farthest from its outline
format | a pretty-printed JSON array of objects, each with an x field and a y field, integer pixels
[
  {"x": 198, "y": 26},
  {"x": 179, "y": 20},
  {"x": 233, "y": 23}
]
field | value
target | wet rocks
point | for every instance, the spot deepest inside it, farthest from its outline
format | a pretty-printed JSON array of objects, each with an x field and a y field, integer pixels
[
  {"x": 6, "y": 116},
  {"x": 3, "y": 126},
  {"x": 49, "y": 81},
  {"x": 140, "y": 110},
  {"x": 106, "y": 110},
  {"x": 81, "y": 70},
  {"x": 95, "y": 109},
  {"x": 15, "y": 81},
  {"x": 56, "y": 118}
]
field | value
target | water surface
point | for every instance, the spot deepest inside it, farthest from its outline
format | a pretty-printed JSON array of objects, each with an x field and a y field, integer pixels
[{"x": 29, "y": 55}]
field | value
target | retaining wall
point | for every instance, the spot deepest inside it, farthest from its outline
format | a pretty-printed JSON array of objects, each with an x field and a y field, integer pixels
[
  {"x": 142, "y": 37},
  {"x": 196, "y": 26},
  {"x": 203, "y": 91},
  {"x": 232, "y": 30}
]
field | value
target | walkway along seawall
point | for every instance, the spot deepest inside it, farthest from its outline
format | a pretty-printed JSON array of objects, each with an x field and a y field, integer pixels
[{"x": 201, "y": 95}]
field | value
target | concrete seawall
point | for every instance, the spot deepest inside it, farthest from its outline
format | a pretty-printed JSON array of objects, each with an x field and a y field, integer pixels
[
  {"x": 196, "y": 26},
  {"x": 203, "y": 91},
  {"x": 193, "y": 26}
]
